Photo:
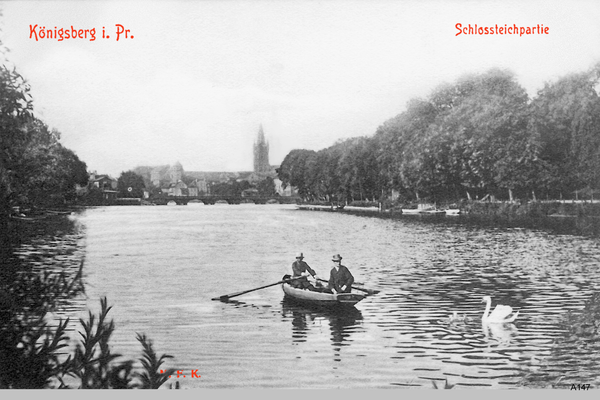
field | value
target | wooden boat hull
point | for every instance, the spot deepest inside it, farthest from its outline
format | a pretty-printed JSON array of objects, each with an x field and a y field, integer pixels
[{"x": 321, "y": 299}]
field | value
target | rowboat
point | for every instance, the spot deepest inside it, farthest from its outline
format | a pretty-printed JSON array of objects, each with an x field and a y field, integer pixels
[{"x": 320, "y": 299}]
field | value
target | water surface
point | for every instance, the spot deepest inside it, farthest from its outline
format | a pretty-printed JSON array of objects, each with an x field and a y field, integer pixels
[{"x": 160, "y": 266}]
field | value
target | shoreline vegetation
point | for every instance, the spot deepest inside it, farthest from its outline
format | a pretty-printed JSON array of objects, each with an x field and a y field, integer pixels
[
  {"x": 479, "y": 143},
  {"x": 38, "y": 352},
  {"x": 568, "y": 216},
  {"x": 38, "y": 181}
]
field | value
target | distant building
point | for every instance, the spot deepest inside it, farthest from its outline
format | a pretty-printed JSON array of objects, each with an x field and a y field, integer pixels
[
  {"x": 261, "y": 154},
  {"x": 284, "y": 192},
  {"x": 104, "y": 183},
  {"x": 178, "y": 189},
  {"x": 176, "y": 172},
  {"x": 155, "y": 176},
  {"x": 198, "y": 187},
  {"x": 172, "y": 179}
]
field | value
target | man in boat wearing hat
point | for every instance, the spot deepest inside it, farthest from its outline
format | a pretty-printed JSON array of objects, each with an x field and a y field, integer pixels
[
  {"x": 300, "y": 268},
  {"x": 340, "y": 278}
]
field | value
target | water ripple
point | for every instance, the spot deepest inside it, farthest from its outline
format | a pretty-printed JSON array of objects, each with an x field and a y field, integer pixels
[{"x": 160, "y": 266}]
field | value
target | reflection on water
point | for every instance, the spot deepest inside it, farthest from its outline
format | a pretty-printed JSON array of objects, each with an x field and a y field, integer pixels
[
  {"x": 500, "y": 333},
  {"x": 342, "y": 322},
  {"x": 55, "y": 245},
  {"x": 160, "y": 266},
  {"x": 574, "y": 355}
]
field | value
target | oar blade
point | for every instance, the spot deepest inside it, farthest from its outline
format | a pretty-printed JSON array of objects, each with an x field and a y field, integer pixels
[{"x": 369, "y": 292}]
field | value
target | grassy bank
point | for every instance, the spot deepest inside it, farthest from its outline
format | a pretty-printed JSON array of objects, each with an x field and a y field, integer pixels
[
  {"x": 565, "y": 217},
  {"x": 577, "y": 218},
  {"x": 534, "y": 209}
]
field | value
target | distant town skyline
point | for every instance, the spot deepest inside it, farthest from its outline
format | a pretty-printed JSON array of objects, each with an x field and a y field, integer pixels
[
  {"x": 193, "y": 81},
  {"x": 261, "y": 169}
]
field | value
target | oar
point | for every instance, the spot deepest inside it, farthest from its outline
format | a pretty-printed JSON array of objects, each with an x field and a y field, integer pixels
[
  {"x": 226, "y": 297},
  {"x": 369, "y": 291}
]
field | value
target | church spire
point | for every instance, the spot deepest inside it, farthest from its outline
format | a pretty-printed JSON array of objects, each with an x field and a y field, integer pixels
[
  {"x": 261, "y": 135},
  {"x": 261, "y": 153}
]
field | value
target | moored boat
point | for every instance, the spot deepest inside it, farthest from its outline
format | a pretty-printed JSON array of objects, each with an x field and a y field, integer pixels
[
  {"x": 452, "y": 211},
  {"x": 421, "y": 211},
  {"x": 410, "y": 211},
  {"x": 434, "y": 212},
  {"x": 321, "y": 299}
]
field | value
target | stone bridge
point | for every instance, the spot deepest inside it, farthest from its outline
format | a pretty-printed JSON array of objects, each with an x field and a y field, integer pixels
[{"x": 183, "y": 200}]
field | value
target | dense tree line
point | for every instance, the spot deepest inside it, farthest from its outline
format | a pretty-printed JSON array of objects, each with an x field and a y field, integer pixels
[
  {"x": 36, "y": 170},
  {"x": 234, "y": 188},
  {"x": 479, "y": 136}
]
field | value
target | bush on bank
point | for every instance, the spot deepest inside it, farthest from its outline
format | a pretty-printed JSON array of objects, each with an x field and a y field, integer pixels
[
  {"x": 533, "y": 209},
  {"x": 37, "y": 171},
  {"x": 32, "y": 350}
]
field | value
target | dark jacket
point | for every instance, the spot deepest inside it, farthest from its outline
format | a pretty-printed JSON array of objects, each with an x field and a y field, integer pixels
[
  {"x": 298, "y": 267},
  {"x": 339, "y": 278}
]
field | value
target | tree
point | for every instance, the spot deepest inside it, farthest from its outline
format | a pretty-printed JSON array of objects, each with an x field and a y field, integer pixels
[
  {"x": 565, "y": 121},
  {"x": 15, "y": 113},
  {"x": 71, "y": 171},
  {"x": 478, "y": 136},
  {"x": 324, "y": 181},
  {"x": 481, "y": 125},
  {"x": 130, "y": 184},
  {"x": 294, "y": 171},
  {"x": 47, "y": 172},
  {"x": 266, "y": 187},
  {"x": 401, "y": 140}
]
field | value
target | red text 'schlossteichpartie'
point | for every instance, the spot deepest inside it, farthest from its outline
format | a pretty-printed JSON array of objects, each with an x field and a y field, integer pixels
[{"x": 505, "y": 29}]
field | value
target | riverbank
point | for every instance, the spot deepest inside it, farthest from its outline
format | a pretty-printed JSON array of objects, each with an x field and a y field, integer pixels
[{"x": 571, "y": 217}]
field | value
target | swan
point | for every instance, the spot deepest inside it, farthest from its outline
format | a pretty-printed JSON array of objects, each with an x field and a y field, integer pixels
[{"x": 499, "y": 315}]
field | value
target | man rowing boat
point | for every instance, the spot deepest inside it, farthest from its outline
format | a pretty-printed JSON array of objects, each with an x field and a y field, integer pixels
[{"x": 300, "y": 268}]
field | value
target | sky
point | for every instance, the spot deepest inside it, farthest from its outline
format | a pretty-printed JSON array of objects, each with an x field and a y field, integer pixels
[{"x": 194, "y": 80}]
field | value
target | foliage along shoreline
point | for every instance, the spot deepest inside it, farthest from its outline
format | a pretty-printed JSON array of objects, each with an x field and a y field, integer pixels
[
  {"x": 576, "y": 218},
  {"x": 37, "y": 172},
  {"x": 480, "y": 137}
]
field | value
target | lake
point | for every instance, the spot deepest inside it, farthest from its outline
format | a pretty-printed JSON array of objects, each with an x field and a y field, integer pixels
[{"x": 160, "y": 266}]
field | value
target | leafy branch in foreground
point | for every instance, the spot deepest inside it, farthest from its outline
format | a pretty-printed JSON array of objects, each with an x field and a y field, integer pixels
[
  {"x": 94, "y": 365},
  {"x": 151, "y": 378},
  {"x": 28, "y": 344},
  {"x": 447, "y": 385},
  {"x": 33, "y": 357}
]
